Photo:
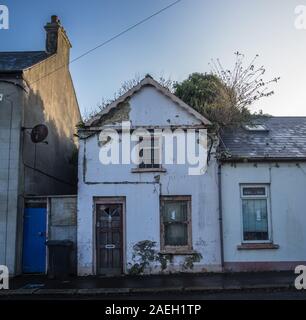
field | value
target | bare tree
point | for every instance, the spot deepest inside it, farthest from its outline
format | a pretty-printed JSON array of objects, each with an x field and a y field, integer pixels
[
  {"x": 224, "y": 96},
  {"x": 125, "y": 87},
  {"x": 243, "y": 85}
]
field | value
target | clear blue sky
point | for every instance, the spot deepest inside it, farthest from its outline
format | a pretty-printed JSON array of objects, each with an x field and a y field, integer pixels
[{"x": 174, "y": 44}]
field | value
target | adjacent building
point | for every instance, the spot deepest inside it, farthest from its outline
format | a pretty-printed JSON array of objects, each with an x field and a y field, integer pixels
[
  {"x": 35, "y": 89},
  {"x": 263, "y": 176}
]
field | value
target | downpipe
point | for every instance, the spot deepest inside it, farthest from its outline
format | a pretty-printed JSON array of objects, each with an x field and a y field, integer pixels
[{"x": 220, "y": 217}]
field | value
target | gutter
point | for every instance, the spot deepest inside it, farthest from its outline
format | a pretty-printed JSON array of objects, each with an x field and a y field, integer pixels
[{"x": 264, "y": 159}]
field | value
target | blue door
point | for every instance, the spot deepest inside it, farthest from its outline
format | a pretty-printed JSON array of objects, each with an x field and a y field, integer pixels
[{"x": 34, "y": 238}]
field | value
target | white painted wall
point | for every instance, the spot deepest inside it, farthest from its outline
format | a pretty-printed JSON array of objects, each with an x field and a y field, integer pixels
[
  {"x": 149, "y": 107},
  {"x": 288, "y": 212},
  {"x": 10, "y": 121},
  {"x": 142, "y": 191}
]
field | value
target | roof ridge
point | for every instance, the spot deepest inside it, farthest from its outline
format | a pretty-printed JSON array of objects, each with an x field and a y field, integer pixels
[
  {"x": 287, "y": 117},
  {"x": 30, "y": 51}
]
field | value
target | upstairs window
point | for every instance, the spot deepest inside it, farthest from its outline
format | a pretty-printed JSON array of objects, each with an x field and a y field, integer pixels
[
  {"x": 255, "y": 213},
  {"x": 150, "y": 152}
]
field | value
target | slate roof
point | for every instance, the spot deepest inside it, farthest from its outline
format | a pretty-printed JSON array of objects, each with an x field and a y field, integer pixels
[
  {"x": 18, "y": 61},
  {"x": 285, "y": 138}
]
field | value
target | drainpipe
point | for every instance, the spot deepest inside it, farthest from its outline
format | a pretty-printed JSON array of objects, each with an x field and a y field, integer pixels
[
  {"x": 8, "y": 176},
  {"x": 220, "y": 217}
]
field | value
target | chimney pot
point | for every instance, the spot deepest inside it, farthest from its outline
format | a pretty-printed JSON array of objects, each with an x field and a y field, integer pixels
[
  {"x": 56, "y": 36},
  {"x": 54, "y": 19}
]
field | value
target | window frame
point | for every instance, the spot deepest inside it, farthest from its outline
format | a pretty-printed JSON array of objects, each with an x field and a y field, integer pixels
[
  {"x": 258, "y": 197},
  {"x": 180, "y": 248},
  {"x": 143, "y": 166}
]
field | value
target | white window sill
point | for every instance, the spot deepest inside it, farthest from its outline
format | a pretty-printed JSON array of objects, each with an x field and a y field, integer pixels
[
  {"x": 178, "y": 252},
  {"x": 257, "y": 246},
  {"x": 146, "y": 170}
]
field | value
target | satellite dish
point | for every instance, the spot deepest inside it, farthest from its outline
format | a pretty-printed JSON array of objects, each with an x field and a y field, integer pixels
[{"x": 39, "y": 133}]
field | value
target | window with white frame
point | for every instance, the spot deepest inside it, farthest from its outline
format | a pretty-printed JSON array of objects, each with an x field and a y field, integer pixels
[
  {"x": 150, "y": 152},
  {"x": 255, "y": 213},
  {"x": 176, "y": 223}
]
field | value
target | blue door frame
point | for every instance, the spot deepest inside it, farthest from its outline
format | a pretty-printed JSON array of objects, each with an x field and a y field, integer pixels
[{"x": 34, "y": 239}]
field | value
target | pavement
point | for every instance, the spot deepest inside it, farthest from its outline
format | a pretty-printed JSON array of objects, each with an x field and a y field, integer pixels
[{"x": 38, "y": 285}]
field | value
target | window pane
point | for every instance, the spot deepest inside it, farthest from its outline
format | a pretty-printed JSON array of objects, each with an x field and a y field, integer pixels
[
  {"x": 255, "y": 219},
  {"x": 175, "y": 222},
  {"x": 176, "y": 234},
  {"x": 147, "y": 155},
  {"x": 254, "y": 191},
  {"x": 150, "y": 152},
  {"x": 175, "y": 211},
  {"x": 156, "y": 156}
]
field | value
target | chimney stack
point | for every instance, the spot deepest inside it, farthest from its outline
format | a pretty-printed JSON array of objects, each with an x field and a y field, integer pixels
[{"x": 56, "y": 38}]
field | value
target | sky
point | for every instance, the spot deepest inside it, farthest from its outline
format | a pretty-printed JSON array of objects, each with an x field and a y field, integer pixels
[{"x": 177, "y": 42}]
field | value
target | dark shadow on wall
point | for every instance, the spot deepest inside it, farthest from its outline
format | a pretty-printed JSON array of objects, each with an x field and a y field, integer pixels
[{"x": 49, "y": 167}]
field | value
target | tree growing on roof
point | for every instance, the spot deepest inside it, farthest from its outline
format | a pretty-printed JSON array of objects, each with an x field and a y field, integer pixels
[{"x": 224, "y": 96}]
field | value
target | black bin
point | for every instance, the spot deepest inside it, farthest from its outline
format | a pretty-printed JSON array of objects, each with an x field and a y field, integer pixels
[{"x": 59, "y": 262}]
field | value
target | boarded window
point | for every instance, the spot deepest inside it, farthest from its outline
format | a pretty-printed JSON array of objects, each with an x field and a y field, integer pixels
[
  {"x": 63, "y": 211},
  {"x": 255, "y": 213},
  {"x": 176, "y": 223}
]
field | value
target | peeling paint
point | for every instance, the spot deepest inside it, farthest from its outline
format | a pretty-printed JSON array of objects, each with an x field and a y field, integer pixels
[{"x": 116, "y": 115}]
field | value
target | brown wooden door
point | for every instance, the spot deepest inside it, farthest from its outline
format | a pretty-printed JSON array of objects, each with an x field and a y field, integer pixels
[{"x": 109, "y": 238}]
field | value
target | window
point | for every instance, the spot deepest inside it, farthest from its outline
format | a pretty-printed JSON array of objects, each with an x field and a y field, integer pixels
[
  {"x": 256, "y": 127},
  {"x": 176, "y": 223},
  {"x": 150, "y": 152},
  {"x": 255, "y": 213}
]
